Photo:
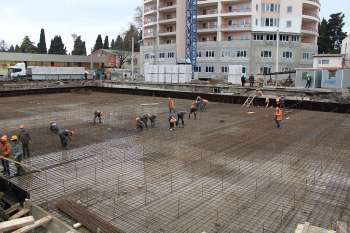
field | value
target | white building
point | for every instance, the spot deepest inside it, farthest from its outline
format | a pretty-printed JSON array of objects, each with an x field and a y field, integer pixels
[{"x": 233, "y": 32}]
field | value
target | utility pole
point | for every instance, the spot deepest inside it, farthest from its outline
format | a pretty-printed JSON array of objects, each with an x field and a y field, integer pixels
[
  {"x": 277, "y": 55},
  {"x": 132, "y": 58}
]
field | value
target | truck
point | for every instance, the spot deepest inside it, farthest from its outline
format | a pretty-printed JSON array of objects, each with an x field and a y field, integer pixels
[{"x": 17, "y": 71}]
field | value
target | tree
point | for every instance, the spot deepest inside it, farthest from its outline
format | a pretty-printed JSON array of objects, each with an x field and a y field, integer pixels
[
  {"x": 323, "y": 39},
  {"x": 112, "y": 44},
  {"x": 118, "y": 45},
  {"x": 129, "y": 34},
  {"x": 27, "y": 46},
  {"x": 57, "y": 46},
  {"x": 106, "y": 43},
  {"x": 42, "y": 43},
  {"x": 11, "y": 49},
  {"x": 17, "y": 49},
  {"x": 99, "y": 43},
  {"x": 123, "y": 57},
  {"x": 3, "y": 46},
  {"x": 335, "y": 31},
  {"x": 138, "y": 17},
  {"x": 79, "y": 46}
]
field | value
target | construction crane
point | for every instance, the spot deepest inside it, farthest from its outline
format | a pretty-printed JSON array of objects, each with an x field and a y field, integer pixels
[{"x": 191, "y": 34}]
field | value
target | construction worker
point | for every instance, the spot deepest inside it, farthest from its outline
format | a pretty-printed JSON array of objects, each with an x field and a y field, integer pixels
[
  {"x": 17, "y": 152},
  {"x": 140, "y": 125},
  {"x": 283, "y": 102},
  {"x": 278, "y": 101},
  {"x": 65, "y": 137},
  {"x": 205, "y": 103},
  {"x": 200, "y": 103},
  {"x": 278, "y": 117},
  {"x": 193, "y": 110},
  {"x": 5, "y": 151},
  {"x": 243, "y": 80},
  {"x": 171, "y": 104},
  {"x": 24, "y": 137},
  {"x": 267, "y": 102},
  {"x": 251, "y": 80},
  {"x": 180, "y": 117},
  {"x": 144, "y": 119},
  {"x": 308, "y": 80},
  {"x": 152, "y": 118},
  {"x": 54, "y": 128},
  {"x": 98, "y": 115},
  {"x": 172, "y": 122}
]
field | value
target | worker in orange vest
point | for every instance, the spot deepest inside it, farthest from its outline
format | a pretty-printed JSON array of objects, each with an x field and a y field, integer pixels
[
  {"x": 5, "y": 151},
  {"x": 171, "y": 104},
  {"x": 278, "y": 117}
]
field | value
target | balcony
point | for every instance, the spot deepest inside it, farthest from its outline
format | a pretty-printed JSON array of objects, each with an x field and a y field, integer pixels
[
  {"x": 149, "y": 22},
  {"x": 237, "y": 12},
  {"x": 165, "y": 20},
  {"x": 149, "y": 1},
  {"x": 149, "y": 35},
  {"x": 166, "y": 8},
  {"x": 207, "y": 14},
  {"x": 236, "y": 27},
  {"x": 207, "y": 28},
  {"x": 313, "y": 2},
  {"x": 150, "y": 10},
  {"x": 310, "y": 30},
  {"x": 311, "y": 16},
  {"x": 167, "y": 33}
]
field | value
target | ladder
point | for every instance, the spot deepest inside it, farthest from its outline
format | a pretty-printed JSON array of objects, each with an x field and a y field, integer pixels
[{"x": 249, "y": 101}]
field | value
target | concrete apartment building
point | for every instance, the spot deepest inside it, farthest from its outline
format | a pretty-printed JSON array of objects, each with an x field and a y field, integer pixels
[{"x": 233, "y": 32}]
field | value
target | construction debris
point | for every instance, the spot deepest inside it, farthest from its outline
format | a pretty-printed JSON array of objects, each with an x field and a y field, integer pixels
[{"x": 16, "y": 223}]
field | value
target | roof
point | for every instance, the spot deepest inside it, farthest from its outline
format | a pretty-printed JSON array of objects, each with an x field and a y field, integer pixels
[
  {"x": 34, "y": 57},
  {"x": 329, "y": 55},
  {"x": 115, "y": 52}
]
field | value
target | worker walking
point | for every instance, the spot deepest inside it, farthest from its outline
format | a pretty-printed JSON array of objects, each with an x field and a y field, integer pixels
[
  {"x": 243, "y": 80},
  {"x": 193, "y": 110},
  {"x": 172, "y": 122},
  {"x": 180, "y": 117},
  {"x": 278, "y": 117},
  {"x": 24, "y": 138},
  {"x": 17, "y": 152},
  {"x": 251, "y": 80},
  {"x": 308, "y": 80},
  {"x": 98, "y": 115},
  {"x": 171, "y": 104},
  {"x": 65, "y": 137},
  {"x": 140, "y": 125},
  {"x": 5, "y": 151}
]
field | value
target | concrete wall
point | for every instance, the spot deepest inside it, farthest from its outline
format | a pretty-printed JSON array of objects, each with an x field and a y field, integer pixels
[{"x": 334, "y": 62}]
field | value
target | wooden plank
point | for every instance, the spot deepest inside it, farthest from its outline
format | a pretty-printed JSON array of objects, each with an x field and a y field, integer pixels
[
  {"x": 36, "y": 224},
  {"x": 19, "y": 214},
  {"x": 13, "y": 208},
  {"x": 15, "y": 224}
]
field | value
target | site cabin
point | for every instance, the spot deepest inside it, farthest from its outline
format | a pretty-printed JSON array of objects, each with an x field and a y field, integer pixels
[
  {"x": 329, "y": 78},
  {"x": 43, "y": 73}
]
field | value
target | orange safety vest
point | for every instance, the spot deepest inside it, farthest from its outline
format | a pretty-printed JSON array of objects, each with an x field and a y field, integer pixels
[{"x": 279, "y": 115}]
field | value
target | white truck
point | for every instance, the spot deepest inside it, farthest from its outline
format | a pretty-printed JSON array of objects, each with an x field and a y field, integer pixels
[{"x": 18, "y": 71}]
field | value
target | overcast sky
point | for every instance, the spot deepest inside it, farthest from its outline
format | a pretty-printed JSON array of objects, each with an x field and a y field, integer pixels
[{"x": 87, "y": 18}]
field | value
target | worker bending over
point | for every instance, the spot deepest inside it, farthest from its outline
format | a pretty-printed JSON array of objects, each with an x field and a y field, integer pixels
[
  {"x": 140, "y": 125},
  {"x": 152, "y": 119},
  {"x": 24, "y": 138},
  {"x": 180, "y": 117},
  {"x": 5, "y": 151},
  {"x": 54, "y": 128},
  {"x": 98, "y": 115},
  {"x": 144, "y": 119},
  {"x": 172, "y": 122},
  {"x": 193, "y": 110},
  {"x": 17, "y": 152},
  {"x": 278, "y": 117},
  {"x": 65, "y": 137},
  {"x": 171, "y": 104}
]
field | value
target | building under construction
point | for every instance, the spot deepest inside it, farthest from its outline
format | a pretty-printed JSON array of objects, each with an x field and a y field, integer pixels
[{"x": 229, "y": 170}]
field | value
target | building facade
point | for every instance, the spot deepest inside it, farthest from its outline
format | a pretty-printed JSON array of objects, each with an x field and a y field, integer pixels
[
  {"x": 233, "y": 32},
  {"x": 113, "y": 57}
]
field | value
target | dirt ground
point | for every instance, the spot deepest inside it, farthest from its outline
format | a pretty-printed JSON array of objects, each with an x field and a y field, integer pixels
[{"x": 230, "y": 170}]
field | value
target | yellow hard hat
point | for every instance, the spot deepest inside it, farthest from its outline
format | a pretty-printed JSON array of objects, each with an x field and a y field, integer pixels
[{"x": 14, "y": 138}]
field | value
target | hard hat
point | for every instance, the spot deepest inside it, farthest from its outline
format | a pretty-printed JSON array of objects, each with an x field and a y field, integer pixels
[
  {"x": 14, "y": 138},
  {"x": 21, "y": 126},
  {"x": 3, "y": 138}
]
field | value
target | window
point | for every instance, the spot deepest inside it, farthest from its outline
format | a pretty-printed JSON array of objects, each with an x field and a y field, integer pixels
[
  {"x": 266, "y": 53},
  {"x": 257, "y": 7},
  {"x": 209, "y": 69},
  {"x": 162, "y": 55},
  {"x": 258, "y": 37},
  {"x": 210, "y": 54},
  {"x": 169, "y": 3},
  {"x": 199, "y": 54},
  {"x": 284, "y": 38},
  {"x": 263, "y": 7},
  {"x": 295, "y": 38},
  {"x": 289, "y": 9},
  {"x": 256, "y": 22},
  {"x": 270, "y": 22},
  {"x": 241, "y": 53},
  {"x": 229, "y": 8},
  {"x": 306, "y": 56},
  {"x": 229, "y": 38},
  {"x": 225, "y": 53},
  {"x": 265, "y": 70},
  {"x": 323, "y": 62},
  {"x": 224, "y": 69},
  {"x": 198, "y": 69},
  {"x": 244, "y": 69},
  {"x": 289, "y": 24},
  {"x": 171, "y": 54},
  {"x": 287, "y": 54},
  {"x": 271, "y": 37}
]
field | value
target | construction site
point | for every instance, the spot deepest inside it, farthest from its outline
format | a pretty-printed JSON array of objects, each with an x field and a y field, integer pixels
[{"x": 229, "y": 170}]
